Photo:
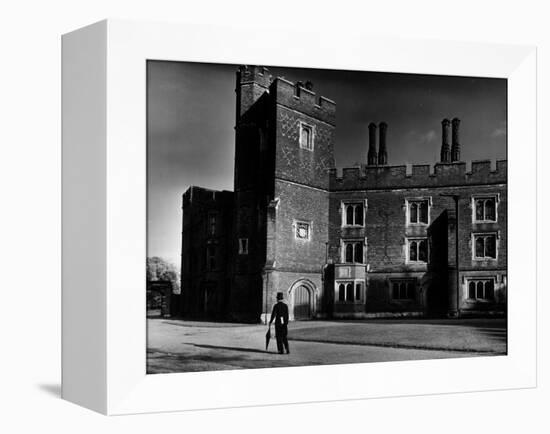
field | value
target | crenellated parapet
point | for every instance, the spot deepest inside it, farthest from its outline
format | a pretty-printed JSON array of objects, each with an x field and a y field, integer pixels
[
  {"x": 204, "y": 196},
  {"x": 254, "y": 74},
  {"x": 300, "y": 97},
  {"x": 419, "y": 176}
]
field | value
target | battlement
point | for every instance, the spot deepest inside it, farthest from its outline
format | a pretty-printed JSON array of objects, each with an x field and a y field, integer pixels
[
  {"x": 204, "y": 196},
  {"x": 297, "y": 97},
  {"x": 419, "y": 176},
  {"x": 254, "y": 74}
]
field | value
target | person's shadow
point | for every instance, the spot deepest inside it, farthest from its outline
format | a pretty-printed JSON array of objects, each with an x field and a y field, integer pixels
[{"x": 51, "y": 389}]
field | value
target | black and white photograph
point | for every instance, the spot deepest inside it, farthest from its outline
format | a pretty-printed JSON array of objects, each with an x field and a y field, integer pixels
[{"x": 300, "y": 217}]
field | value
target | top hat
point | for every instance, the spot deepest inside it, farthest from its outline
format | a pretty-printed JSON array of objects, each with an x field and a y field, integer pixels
[{"x": 280, "y": 296}]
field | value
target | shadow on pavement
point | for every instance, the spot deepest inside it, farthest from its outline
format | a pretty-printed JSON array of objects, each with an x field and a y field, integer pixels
[
  {"x": 216, "y": 347},
  {"x": 498, "y": 323},
  {"x": 203, "y": 324}
]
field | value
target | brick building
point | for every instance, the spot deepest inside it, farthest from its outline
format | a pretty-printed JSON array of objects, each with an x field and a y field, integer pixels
[{"x": 374, "y": 241}]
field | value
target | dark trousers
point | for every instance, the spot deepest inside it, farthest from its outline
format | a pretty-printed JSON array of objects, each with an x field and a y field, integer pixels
[{"x": 281, "y": 332}]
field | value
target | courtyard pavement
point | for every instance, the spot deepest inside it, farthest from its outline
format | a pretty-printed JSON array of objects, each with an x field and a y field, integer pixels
[{"x": 184, "y": 346}]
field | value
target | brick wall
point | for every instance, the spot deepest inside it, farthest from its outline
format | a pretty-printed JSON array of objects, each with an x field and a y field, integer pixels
[
  {"x": 386, "y": 231},
  {"x": 301, "y": 193},
  {"x": 285, "y": 281},
  {"x": 205, "y": 289},
  {"x": 304, "y": 101},
  {"x": 297, "y": 203}
]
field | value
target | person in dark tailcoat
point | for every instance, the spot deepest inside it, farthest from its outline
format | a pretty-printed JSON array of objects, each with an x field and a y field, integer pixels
[{"x": 280, "y": 316}]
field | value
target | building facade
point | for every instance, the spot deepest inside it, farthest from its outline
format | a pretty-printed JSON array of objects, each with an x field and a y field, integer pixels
[{"x": 372, "y": 241}]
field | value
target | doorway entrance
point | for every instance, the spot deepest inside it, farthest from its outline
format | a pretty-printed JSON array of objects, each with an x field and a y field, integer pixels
[
  {"x": 302, "y": 303},
  {"x": 302, "y": 296}
]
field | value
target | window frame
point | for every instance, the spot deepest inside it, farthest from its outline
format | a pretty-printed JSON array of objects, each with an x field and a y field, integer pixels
[
  {"x": 477, "y": 280},
  {"x": 409, "y": 201},
  {"x": 343, "y": 244},
  {"x": 407, "y": 281},
  {"x": 408, "y": 250},
  {"x": 496, "y": 234},
  {"x": 343, "y": 211},
  {"x": 211, "y": 255},
  {"x": 311, "y": 128},
  {"x": 353, "y": 283},
  {"x": 243, "y": 248},
  {"x": 473, "y": 206},
  {"x": 209, "y": 225}
]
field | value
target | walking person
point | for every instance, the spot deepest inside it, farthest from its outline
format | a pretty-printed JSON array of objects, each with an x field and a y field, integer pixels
[{"x": 280, "y": 316}]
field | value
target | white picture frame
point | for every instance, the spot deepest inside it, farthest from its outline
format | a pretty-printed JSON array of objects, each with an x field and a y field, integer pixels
[{"x": 104, "y": 217}]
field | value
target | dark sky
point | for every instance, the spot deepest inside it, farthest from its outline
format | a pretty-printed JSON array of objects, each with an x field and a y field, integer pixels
[{"x": 191, "y": 115}]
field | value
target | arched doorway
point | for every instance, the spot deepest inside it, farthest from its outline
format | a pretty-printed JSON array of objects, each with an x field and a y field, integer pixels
[
  {"x": 302, "y": 295},
  {"x": 302, "y": 303}
]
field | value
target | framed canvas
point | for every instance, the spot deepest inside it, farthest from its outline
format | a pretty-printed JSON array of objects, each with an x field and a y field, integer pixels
[{"x": 106, "y": 122}]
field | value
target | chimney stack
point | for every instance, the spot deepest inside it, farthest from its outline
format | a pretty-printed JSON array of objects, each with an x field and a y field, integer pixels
[
  {"x": 372, "y": 157},
  {"x": 382, "y": 152},
  {"x": 445, "y": 146},
  {"x": 455, "y": 147}
]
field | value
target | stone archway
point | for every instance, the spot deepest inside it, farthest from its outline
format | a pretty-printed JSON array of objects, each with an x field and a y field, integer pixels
[{"x": 302, "y": 296}]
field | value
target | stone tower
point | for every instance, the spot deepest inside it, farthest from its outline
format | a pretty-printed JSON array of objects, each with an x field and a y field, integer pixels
[
  {"x": 283, "y": 153},
  {"x": 297, "y": 230},
  {"x": 253, "y": 188}
]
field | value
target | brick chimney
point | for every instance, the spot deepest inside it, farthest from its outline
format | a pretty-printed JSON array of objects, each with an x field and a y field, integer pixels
[
  {"x": 445, "y": 146},
  {"x": 382, "y": 152},
  {"x": 372, "y": 157},
  {"x": 299, "y": 85},
  {"x": 455, "y": 147}
]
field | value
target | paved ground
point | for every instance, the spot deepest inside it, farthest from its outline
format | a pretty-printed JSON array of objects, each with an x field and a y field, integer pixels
[
  {"x": 472, "y": 335},
  {"x": 184, "y": 346}
]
